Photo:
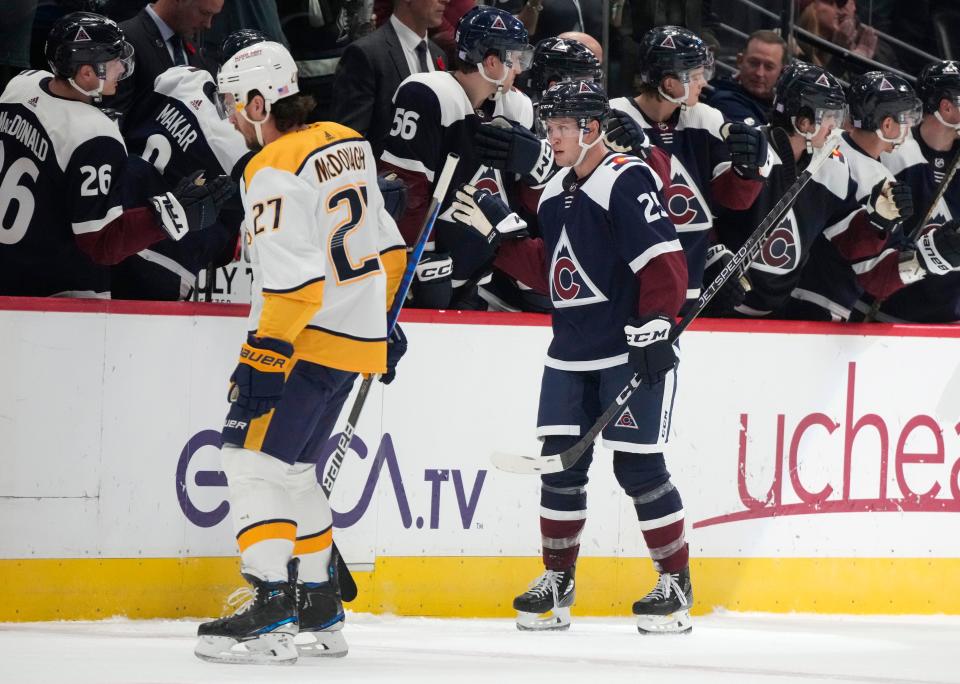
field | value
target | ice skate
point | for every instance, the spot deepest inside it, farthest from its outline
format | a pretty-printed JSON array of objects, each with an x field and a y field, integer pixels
[
  {"x": 260, "y": 632},
  {"x": 321, "y": 620},
  {"x": 666, "y": 609},
  {"x": 546, "y": 604}
]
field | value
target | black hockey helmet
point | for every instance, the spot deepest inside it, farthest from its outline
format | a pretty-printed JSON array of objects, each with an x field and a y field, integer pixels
[
  {"x": 580, "y": 100},
  {"x": 559, "y": 59},
  {"x": 238, "y": 40},
  {"x": 939, "y": 81},
  {"x": 876, "y": 95},
  {"x": 486, "y": 29},
  {"x": 672, "y": 51},
  {"x": 86, "y": 38},
  {"x": 803, "y": 89}
]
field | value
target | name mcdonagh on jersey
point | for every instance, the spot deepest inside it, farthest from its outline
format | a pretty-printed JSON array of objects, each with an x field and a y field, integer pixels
[
  {"x": 21, "y": 130},
  {"x": 347, "y": 158}
]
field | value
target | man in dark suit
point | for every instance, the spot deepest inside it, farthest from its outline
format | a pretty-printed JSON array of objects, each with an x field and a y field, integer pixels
[
  {"x": 372, "y": 67},
  {"x": 161, "y": 35}
]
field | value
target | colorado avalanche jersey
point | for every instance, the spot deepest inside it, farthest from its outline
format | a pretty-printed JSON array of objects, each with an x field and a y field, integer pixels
[
  {"x": 601, "y": 237},
  {"x": 433, "y": 117},
  {"x": 701, "y": 176},
  {"x": 827, "y": 199},
  {"x": 61, "y": 163}
]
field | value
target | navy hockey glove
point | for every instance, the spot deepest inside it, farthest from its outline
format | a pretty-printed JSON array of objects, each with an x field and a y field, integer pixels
[
  {"x": 890, "y": 204},
  {"x": 193, "y": 204},
  {"x": 504, "y": 145},
  {"x": 487, "y": 214},
  {"x": 747, "y": 147},
  {"x": 396, "y": 348},
  {"x": 625, "y": 136},
  {"x": 939, "y": 249},
  {"x": 432, "y": 286},
  {"x": 257, "y": 383},
  {"x": 733, "y": 292},
  {"x": 651, "y": 352},
  {"x": 394, "y": 192}
]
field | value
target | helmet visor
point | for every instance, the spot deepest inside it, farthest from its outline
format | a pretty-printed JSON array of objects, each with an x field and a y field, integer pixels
[
  {"x": 830, "y": 117},
  {"x": 227, "y": 104},
  {"x": 566, "y": 128},
  {"x": 126, "y": 59},
  {"x": 521, "y": 58},
  {"x": 911, "y": 117}
]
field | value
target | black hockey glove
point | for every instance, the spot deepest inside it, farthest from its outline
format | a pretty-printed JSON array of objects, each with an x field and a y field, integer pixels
[
  {"x": 890, "y": 204},
  {"x": 257, "y": 383},
  {"x": 487, "y": 214},
  {"x": 733, "y": 292},
  {"x": 432, "y": 286},
  {"x": 651, "y": 352},
  {"x": 396, "y": 348},
  {"x": 625, "y": 136},
  {"x": 504, "y": 145},
  {"x": 747, "y": 147},
  {"x": 939, "y": 249},
  {"x": 193, "y": 204},
  {"x": 394, "y": 192}
]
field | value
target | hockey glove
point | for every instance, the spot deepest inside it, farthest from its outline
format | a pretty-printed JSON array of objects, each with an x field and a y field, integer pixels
[
  {"x": 487, "y": 214},
  {"x": 747, "y": 147},
  {"x": 624, "y": 135},
  {"x": 890, "y": 204},
  {"x": 257, "y": 383},
  {"x": 432, "y": 286},
  {"x": 193, "y": 204},
  {"x": 651, "y": 352},
  {"x": 939, "y": 249},
  {"x": 394, "y": 192},
  {"x": 504, "y": 145},
  {"x": 396, "y": 348},
  {"x": 733, "y": 292}
]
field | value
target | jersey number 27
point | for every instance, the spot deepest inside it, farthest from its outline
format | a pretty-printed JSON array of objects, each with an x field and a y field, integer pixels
[{"x": 352, "y": 199}]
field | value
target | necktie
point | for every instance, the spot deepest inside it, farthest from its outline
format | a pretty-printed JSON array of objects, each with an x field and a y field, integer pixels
[
  {"x": 177, "y": 45},
  {"x": 422, "y": 56}
]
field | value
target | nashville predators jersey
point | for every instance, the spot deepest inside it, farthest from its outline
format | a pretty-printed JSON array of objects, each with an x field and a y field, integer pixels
[{"x": 326, "y": 256}]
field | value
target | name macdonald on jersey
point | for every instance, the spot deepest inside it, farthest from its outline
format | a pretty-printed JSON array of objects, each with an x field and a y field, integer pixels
[
  {"x": 178, "y": 125},
  {"x": 346, "y": 158},
  {"x": 20, "y": 129}
]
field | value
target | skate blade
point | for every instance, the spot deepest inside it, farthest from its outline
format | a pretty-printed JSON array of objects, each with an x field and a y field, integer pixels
[
  {"x": 674, "y": 623},
  {"x": 555, "y": 620},
  {"x": 325, "y": 644},
  {"x": 268, "y": 649}
]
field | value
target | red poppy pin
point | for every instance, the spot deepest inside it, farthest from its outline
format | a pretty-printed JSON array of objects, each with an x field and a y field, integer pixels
[
  {"x": 440, "y": 65},
  {"x": 188, "y": 46}
]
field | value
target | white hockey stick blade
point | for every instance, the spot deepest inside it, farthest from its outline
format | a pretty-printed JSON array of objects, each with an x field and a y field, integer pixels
[{"x": 524, "y": 464}]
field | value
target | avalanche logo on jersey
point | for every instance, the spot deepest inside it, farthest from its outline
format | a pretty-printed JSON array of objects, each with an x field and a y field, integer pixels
[
  {"x": 686, "y": 205},
  {"x": 626, "y": 420},
  {"x": 781, "y": 251},
  {"x": 569, "y": 283}
]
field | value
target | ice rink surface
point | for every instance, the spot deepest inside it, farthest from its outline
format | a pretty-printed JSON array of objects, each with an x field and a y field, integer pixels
[{"x": 724, "y": 647}]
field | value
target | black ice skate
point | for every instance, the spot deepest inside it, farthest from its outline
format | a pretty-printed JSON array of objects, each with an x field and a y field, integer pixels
[
  {"x": 546, "y": 604},
  {"x": 666, "y": 609},
  {"x": 321, "y": 619},
  {"x": 260, "y": 632}
]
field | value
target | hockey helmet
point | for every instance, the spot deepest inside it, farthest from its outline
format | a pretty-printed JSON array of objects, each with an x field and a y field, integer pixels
[
  {"x": 557, "y": 59},
  {"x": 876, "y": 95},
  {"x": 939, "y": 81},
  {"x": 672, "y": 51},
  {"x": 809, "y": 91},
  {"x": 85, "y": 38},
  {"x": 265, "y": 67},
  {"x": 238, "y": 40},
  {"x": 486, "y": 29},
  {"x": 580, "y": 100}
]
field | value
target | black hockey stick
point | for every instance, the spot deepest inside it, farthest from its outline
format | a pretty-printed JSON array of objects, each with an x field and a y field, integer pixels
[
  {"x": 526, "y": 464},
  {"x": 348, "y": 587}
]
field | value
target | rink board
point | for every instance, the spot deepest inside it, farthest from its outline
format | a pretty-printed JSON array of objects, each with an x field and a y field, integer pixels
[{"x": 819, "y": 466}]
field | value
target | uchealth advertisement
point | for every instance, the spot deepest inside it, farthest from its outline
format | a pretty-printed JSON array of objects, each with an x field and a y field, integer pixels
[{"x": 784, "y": 444}]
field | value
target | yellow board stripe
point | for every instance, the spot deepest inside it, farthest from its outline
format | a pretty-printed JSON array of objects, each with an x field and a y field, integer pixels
[
  {"x": 269, "y": 529},
  {"x": 314, "y": 543},
  {"x": 85, "y": 589}
]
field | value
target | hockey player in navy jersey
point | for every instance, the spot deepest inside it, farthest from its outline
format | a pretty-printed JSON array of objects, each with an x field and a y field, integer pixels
[
  {"x": 182, "y": 130},
  {"x": 714, "y": 164},
  {"x": 440, "y": 112},
  {"x": 922, "y": 163},
  {"x": 856, "y": 255},
  {"x": 613, "y": 265},
  {"x": 63, "y": 160}
]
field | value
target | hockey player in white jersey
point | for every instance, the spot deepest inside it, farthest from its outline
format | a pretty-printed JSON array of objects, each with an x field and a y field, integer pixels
[{"x": 327, "y": 260}]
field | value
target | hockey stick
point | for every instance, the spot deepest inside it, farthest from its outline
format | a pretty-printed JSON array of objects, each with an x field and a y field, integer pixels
[
  {"x": 526, "y": 464},
  {"x": 348, "y": 587}
]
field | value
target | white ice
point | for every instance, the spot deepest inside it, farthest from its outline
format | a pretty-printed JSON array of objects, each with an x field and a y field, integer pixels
[{"x": 724, "y": 647}]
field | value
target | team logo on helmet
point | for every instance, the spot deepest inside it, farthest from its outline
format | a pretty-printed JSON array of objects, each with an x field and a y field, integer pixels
[
  {"x": 81, "y": 36},
  {"x": 951, "y": 68},
  {"x": 885, "y": 85},
  {"x": 781, "y": 251},
  {"x": 498, "y": 24},
  {"x": 585, "y": 87},
  {"x": 626, "y": 420},
  {"x": 668, "y": 43},
  {"x": 823, "y": 81},
  {"x": 569, "y": 283}
]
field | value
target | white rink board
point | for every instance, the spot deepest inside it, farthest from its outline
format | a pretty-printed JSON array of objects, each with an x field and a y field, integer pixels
[{"x": 98, "y": 409}]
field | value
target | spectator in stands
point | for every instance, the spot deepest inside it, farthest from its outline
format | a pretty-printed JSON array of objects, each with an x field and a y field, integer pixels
[
  {"x": 242, "y": 14},
  {"x": 747, "y": 97},
  {"x": 372, "y": 67},
  {"x": 16, "y": 18},
  {"x": 442, "y": 35}
]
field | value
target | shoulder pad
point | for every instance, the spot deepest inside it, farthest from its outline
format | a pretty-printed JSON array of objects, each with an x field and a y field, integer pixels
[
  {"x": 702, "y": 116},
  {"x": 435, "y": 89}
]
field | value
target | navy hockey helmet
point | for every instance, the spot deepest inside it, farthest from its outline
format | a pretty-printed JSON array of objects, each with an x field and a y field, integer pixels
[
  {"x": 238, "y": 40},
  {"x": 809, "y": 91},
  {"x": 486, "y": 29},
  {"x": 86, "y": 38},
  {"x": 580, "y": 100},
  {"x": 939, "y": 81},
  {"x": 558, "y": 59},
  {"x": 672, "y": 51},
  {"x": 876, "y": 95}
]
